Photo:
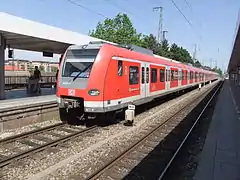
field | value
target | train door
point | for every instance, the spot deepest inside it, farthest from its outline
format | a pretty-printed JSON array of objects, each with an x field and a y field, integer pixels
[
  {"x": 179, "y": 77},
  {"x": 204, "y": 78},
  {"x": 144, "y": 79},
  {"x": 168, "y": 77},
  {"x": 193, "y": 77},
  {"x": 188, "y": 77}
]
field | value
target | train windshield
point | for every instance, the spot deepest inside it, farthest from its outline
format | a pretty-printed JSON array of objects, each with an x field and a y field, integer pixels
[{"x": 78, "y": 62}]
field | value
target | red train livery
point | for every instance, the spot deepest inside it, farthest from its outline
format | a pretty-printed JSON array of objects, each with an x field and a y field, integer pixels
[{"x": 101, "y": 77}]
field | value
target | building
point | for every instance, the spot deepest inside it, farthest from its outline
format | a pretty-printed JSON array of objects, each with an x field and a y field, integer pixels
[
  {"x": 11, "y": 68},
  {"x": 26, "y": 65}
]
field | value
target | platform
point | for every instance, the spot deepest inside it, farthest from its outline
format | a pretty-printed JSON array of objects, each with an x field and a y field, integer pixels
[
  {"x": 19, "y": 98},
  {"x": 21, "y": 93},
  {"x": 220, "y": 158}
]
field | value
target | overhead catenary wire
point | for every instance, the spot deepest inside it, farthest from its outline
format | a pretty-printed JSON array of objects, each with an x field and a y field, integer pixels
[
  {"x": 119, "y": 7},
  {"x": 190, "y": 24},
  {"x": 100, "y": 14},
  {"x": 86, "y": 8},
  {"x": 191, "y": 9},
  {"x": 176, "y": 6},
  {"x": 189, "y": 6},
  {"x": 123, "y": 9}
]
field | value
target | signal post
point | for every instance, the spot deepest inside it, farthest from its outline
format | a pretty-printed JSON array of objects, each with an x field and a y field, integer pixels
[{"x": 2, "y": 64}]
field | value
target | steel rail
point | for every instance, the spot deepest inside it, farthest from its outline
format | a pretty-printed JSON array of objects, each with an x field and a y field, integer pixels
[
  {"x": 187, "y": 135},
  {"x": 111, "y": 163},
  {"x": 23, "y": 154},
  {"x": 33, "y": 132}
]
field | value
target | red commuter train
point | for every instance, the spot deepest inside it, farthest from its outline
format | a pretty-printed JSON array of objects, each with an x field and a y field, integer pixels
[{"x": 100, "y": 77}]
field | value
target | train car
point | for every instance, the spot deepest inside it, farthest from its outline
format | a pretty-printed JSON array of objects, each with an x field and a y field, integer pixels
[{"x": 97, "y": 78}]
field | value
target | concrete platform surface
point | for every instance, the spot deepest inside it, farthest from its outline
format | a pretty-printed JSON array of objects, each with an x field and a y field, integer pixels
[
  {"x": 21, "y": 93},
  {"x": 220, "y": 158},
  {"x": 29, "y": 101},
  {"x": 19, "y": 98}
]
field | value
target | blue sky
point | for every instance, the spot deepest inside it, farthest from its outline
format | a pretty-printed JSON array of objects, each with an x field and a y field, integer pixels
[{"x": 214, "y": 21}]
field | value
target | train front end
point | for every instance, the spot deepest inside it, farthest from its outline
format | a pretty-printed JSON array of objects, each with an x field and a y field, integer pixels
[{"x": 78, "y": 90}]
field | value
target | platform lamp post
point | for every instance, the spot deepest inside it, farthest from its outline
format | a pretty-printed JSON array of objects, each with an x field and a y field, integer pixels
[{"x": 2, "y": 64}]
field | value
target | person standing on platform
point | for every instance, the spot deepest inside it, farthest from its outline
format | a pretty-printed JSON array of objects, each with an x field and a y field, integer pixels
[
  {"x": 36, "y": 76},
  {"x": 60, "y": 59}
]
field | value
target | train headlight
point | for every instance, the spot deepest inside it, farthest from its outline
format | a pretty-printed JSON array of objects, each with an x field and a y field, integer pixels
[{"x": 93, "y": 92}]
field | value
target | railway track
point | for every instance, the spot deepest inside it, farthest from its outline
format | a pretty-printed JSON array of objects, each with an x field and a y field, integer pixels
[
  {"x": 152, "y": 151},
  {"x": 23, "y": 145}
]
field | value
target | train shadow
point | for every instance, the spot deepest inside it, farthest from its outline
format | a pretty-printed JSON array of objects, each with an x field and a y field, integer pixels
[
  {"x": 111, "y": 118},
  {"x": 153, "y": 164}
]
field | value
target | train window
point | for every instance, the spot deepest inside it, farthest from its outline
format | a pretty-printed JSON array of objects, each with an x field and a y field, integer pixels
[
  {"x": 168, "y": 75},
  {"x": 179, "y": 75},
  {"x": 78, "y": 63},
  {"x": 162, "y": 75},
  {"x": 133, "y": 75},
  {"x": 182, "y": 75},
  {"x": 175, "y": 75},
  {"x": 120, "y": 68},
  {"x": 191, "y": 75},
  {"x": 143, "y": 74},
  {"x": 172, "y": 75},
  {"x": 147, "y": 75},
  {"x": 153, "y": 75}
]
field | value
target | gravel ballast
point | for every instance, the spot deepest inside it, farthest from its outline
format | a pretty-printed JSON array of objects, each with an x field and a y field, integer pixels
[
  {"x": 82, "y": 154},
  {"x": 186, "y": 163},
  {"x": 28, "y": 128}
]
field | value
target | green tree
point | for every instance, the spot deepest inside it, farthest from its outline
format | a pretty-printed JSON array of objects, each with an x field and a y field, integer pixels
[
  {"x": 118, "y": 30},
  {"x": 175, "y": 52},
  {"x": 31, "y": 68},
  {"x": 41, "y": 68},
  {"x": 180, "y": 54},
  {"x": 121, "y": 30},
  {"x": 197, "y": 64},
  {"x": 164, "y": 49},
  {"x": 218, "y": 70},
  {"x": 186, "y": 56},
  {"x": 150, "y": 42},
  {"x": 53, "y": 69}
]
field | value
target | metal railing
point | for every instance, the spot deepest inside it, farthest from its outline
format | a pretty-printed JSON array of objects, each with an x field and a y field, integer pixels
[{"x": 12, "y": 82}]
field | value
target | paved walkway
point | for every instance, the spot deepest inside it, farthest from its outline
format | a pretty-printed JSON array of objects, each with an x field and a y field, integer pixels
[
  {"x": 19, "y": 98},
  {"x": 220, "y": 158},
  {"x": 21, "y": 93}
]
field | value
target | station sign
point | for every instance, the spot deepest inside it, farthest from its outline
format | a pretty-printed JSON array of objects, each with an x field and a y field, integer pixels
[{"x": 47, "y": 54}]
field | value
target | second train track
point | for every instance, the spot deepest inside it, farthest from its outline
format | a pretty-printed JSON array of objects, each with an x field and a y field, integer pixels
[
  {"x": 154, "y": 150},
  {"x": 22, "y": 145}
]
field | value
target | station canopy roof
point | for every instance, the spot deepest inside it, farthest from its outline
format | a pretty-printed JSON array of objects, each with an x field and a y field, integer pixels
[
  {"x": 33, "y": 36},
  {"x": 234, "y": 62}
]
